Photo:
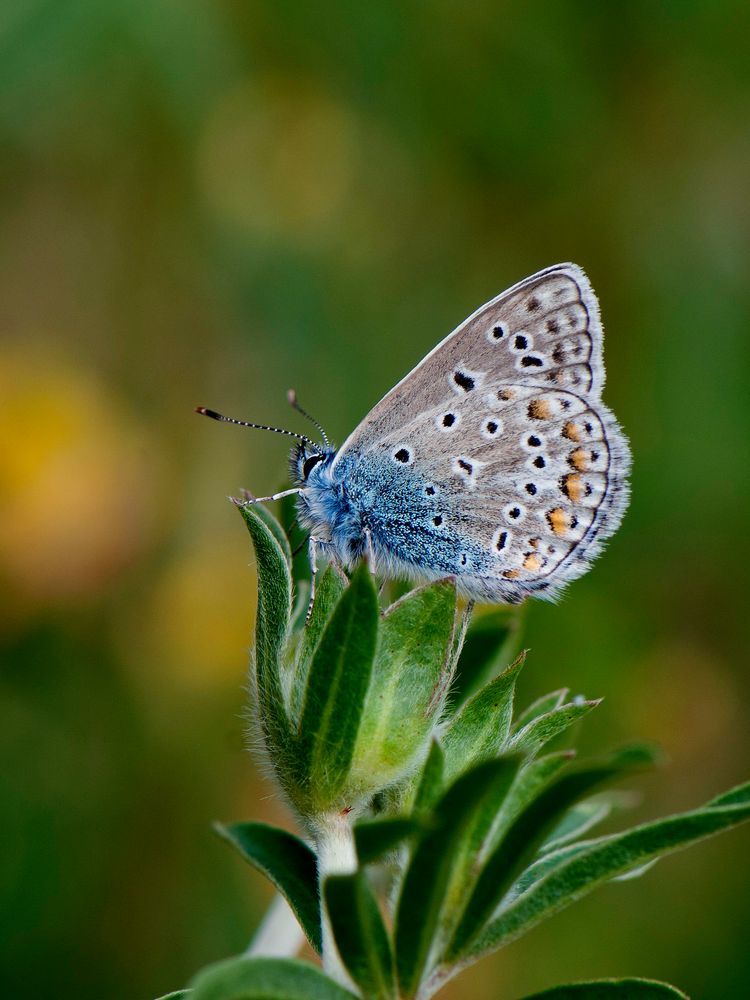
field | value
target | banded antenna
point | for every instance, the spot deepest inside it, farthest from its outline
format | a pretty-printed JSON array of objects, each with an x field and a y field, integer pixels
[
  {"x": 294, "y": 403},
  {"x": 258, "y": 427}
]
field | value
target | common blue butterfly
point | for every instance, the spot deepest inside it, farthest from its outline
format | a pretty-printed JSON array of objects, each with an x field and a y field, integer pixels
[{"x": 494, "y": 460}]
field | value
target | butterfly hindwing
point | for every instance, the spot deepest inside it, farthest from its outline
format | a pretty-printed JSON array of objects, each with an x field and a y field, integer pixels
[{"x": 512, "y": 490}]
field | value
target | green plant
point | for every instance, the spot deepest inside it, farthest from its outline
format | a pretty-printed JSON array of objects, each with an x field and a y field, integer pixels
[{"x": 438, "y": 828}]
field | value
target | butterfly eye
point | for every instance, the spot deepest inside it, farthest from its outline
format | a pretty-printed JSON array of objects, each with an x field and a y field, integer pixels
[{"x": 310, "y": 464}]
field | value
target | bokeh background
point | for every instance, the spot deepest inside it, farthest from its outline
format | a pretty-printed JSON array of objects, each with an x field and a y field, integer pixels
[{"x": 208, "y": 202}]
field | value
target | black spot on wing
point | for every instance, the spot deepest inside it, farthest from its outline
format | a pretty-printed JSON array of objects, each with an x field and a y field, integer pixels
[{"x": 463, "y": 381}]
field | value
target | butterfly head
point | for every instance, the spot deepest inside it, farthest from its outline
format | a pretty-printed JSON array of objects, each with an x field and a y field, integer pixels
[{"x": 308, "y": 460}]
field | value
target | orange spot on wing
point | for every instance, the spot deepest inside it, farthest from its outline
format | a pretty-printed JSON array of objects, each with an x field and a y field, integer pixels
[
  {"x": 540, "y": 409},
  {"x": 579, "y": 459},
  {"x": 572, "y": 487},
  {"x": 558, "y": 520},
  {"x": 511, "y": 574},
  {"x": 571, "y": 431},
  {"x": 532, "y": 561}
]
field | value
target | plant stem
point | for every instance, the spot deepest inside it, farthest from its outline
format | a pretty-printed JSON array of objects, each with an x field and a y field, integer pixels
[
  {"x": 336, "y": 856},
  {"x": 279, "y": 934}
]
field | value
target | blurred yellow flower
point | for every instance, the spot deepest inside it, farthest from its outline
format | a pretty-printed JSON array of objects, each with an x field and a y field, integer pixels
[
  {"x": 198, "y": 618},
  {"x": 75, "y": 482}
]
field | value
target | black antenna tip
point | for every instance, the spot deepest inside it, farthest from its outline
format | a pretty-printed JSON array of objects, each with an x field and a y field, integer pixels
[{"x": 208, "y": 413}]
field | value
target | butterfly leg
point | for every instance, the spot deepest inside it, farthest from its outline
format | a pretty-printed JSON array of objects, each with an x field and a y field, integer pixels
[
  {"x": 340, "y": 572},
  {"x": 247, "y": 498},
  {"x": 312, "y": 552},
  {"x": 370, "y": 551}
]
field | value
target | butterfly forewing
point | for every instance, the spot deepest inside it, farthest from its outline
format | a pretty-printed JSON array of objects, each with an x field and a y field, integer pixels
[
  {"x": 516, "y": 469},
  {"x": 544, "y": 331}
]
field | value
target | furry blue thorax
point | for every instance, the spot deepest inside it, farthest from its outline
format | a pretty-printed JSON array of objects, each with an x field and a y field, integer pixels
[
  {"x": 324, "y": 507},
  {"x": 353, "y": 508}
]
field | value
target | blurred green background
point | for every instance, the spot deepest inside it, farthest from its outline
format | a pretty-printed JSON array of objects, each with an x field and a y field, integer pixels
[{"x": 207, "y": 203}]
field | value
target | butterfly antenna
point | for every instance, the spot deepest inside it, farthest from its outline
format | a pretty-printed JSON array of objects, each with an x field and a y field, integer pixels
[
  {"x": 246, "y": 423},
  {"x": 292, "y": 398}
]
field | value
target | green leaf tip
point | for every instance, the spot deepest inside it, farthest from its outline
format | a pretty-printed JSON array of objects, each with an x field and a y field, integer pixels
[
  {"x": 542, "y": 729},
  {"x": 287, "y": 862},
  {"x": 482, "y": 726},
  {"x": 491, "y": 642},
  {"x": 264, "y": 515}
]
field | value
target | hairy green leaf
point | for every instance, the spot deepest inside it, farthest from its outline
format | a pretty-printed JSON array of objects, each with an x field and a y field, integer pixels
[
  {"x": 271, "y": 625},
  {"x": 288, "y": 862},
  {"x": 600, "y": 860},
  {"x": 430, "y": 785},
  {"x": 543, "y": 866},
  {"x": 523, "y": 839},
  {"x": 265, "y": 979},
  {"x": 328, "y": 592},
  {"x": 482, "y": 726},
  {"x": 337, "y": 685},
  {"x": 408, "y": 684},
  {"x": 361, "y": 937},
  {"x": 561, "y": 852},
  {"x": 177, "y": 995},
  {"x": 539, "y": 707},
  {"x": 579, "y": 820},
  {"x": 535, "y": 734},
  {"x": 612, "y": 989},
  {"x": 734, "y": 797},
  {"x": 274, "y": 527},
  {"x": 531, "y": 779},
  {"x": 489, "y": 824},
  {"x": 432, "y": 864},
  {"x": 375, "y": 837}
]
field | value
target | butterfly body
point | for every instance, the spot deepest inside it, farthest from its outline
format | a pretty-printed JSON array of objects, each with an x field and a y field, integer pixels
[
  {"x": 494, "y": 461},
  {"x": 360, "y": 508}
]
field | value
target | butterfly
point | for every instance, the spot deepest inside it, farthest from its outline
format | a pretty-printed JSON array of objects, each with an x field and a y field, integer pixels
[{"x": 494, "y": 461}]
